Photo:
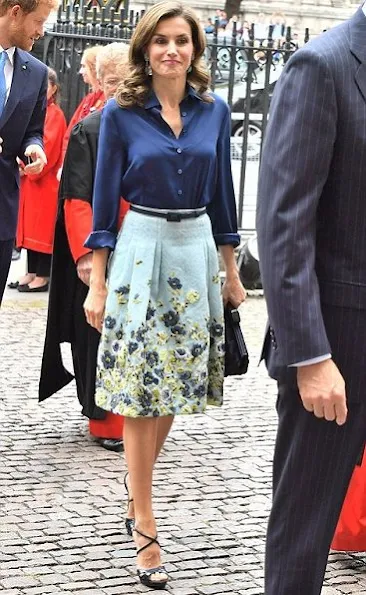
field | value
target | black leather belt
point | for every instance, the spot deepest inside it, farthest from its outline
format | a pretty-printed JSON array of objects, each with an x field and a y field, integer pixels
[{"x": 169, "y": 215}]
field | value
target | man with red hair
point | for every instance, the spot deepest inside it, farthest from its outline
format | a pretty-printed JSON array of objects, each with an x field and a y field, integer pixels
[{"x": 23, "y": 101}]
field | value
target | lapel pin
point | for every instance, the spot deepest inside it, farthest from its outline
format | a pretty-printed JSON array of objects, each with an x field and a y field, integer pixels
[{"x": 24, "y": 67}]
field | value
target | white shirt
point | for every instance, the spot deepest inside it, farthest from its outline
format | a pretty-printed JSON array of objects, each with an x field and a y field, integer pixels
[{"x": 8, "y": 69}]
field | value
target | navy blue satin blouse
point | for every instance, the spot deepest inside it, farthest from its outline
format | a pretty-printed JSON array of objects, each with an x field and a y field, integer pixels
[{"x": 140, "y": 158}]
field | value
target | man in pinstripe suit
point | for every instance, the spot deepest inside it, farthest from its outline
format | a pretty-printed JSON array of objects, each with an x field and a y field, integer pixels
[{"x": 311, "y": 224}]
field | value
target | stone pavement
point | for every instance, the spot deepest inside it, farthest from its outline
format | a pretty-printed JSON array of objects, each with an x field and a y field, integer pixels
[{"x": 62, "y": 499}]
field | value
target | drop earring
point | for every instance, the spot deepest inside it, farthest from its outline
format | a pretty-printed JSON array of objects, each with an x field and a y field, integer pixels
[{"x": 148, "y": 69}]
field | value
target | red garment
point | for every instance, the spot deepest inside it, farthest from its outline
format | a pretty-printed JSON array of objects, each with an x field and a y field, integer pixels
[
  {"x": 78, "y": 222},
  {"x": 38, "y": 193},
  {"x": 350, "y": 534},
  {"x": 110, "y": 427},
  {"x": 91, "y": 102}
]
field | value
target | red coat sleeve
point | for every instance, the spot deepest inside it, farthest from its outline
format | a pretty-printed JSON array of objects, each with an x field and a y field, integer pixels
[{"x": 79, "y": 224}]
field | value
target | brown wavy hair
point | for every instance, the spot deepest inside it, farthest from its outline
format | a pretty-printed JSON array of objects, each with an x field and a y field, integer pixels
[{"x": 137, "y": 85}]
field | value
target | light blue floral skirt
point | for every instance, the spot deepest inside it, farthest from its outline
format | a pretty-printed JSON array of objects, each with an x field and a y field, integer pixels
[{"x": 162, "y": 345}]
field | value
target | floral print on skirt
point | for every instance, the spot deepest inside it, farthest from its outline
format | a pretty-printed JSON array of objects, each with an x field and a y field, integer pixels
[{"x": 162, "y": 345}]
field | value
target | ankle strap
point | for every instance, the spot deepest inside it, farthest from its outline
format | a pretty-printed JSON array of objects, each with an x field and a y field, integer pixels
[{"x": 151, "y": 542}]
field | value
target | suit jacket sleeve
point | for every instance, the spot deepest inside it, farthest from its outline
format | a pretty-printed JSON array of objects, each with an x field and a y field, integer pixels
[
  {"x": 34, "y": 132},
  {"x": 296, "y": 159}
]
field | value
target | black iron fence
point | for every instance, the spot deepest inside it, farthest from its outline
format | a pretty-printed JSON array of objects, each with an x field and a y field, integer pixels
[{"x": 243, "y": 71}]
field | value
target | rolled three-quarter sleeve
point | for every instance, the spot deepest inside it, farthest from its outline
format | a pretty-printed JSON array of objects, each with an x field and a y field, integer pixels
[
  {"x": 222, "y": 209},
  {"x": 108, "y": 181}
]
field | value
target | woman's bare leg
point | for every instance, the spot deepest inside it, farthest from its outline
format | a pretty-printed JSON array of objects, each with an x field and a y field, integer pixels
[
  {"x": 143, "y": 440},
  {"x": 164, "y": 425}
]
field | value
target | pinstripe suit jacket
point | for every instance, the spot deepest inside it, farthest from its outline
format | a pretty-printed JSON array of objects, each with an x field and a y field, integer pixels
[{"x": 311, "y": 214}]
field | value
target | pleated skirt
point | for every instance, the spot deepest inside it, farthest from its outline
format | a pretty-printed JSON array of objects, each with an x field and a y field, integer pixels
[{"x": 162, "y": 345}]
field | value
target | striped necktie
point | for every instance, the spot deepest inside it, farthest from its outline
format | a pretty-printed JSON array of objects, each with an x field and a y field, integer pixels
[{"x": 3, "y": 57}]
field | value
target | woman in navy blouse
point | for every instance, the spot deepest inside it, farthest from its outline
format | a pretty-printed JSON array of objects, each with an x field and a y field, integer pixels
[{"x": 165, "y": 146}]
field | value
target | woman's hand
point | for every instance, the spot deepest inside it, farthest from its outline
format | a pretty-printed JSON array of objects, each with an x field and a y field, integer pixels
[
  {"x": 84, "y": 268},
  {"x": 233, "y": 290},
  {"x": 94, "y": 305}
]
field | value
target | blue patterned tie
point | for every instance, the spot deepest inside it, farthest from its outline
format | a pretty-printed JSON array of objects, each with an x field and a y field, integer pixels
[{"x": 3, "y": 57}]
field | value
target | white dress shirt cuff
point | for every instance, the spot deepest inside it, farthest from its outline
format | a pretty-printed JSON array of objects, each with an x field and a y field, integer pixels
[{"x": 314, "y": 360}]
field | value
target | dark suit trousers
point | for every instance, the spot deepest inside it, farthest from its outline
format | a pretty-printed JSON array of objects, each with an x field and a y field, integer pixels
[
  {"x": 6, "y": 249},
  {"x": 313, "y": 463}
]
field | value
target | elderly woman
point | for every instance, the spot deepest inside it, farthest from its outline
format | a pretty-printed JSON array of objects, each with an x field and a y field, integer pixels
[
  {"x": 72, "y": 263},
  {"x": 165, "y": 146}
]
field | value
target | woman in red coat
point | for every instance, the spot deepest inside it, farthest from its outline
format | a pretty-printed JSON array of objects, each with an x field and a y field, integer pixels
[
  {"x": 38, "y": 200},
  {"x": 93, "y": 100}
]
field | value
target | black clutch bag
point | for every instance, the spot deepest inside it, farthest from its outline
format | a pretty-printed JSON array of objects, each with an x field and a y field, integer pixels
[{"x": 236, "y": 353}]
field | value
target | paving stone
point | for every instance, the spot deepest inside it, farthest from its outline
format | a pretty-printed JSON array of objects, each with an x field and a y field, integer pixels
[
  {"x": 19, "y": 582},
  {"x": 77, "y": 586},
  {"x": 44, "y": 590}
]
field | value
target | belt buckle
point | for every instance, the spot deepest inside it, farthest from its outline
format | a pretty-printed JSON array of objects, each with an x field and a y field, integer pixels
[{"x": 174, "y": 217}]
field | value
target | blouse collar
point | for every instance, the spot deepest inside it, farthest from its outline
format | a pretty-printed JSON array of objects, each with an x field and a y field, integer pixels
[{"x": 152, "y": 100}]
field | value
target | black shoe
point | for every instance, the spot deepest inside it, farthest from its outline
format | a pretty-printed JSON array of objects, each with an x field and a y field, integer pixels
[
  {"x": 111, "y": 444},
  {"x": 146, "y": 574},
  {"x": 13, "y": 284},
  {"x": 129, "y": 522},
  {"x": 26, "y": 289}
]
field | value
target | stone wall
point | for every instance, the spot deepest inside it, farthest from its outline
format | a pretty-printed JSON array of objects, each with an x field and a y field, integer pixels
[{"x": 315, "y": 14}]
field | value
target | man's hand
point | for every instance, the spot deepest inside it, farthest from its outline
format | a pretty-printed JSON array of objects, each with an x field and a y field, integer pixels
[
  {"x": 84, "y": 267},
  {"x": 21, "y": 167},
  {"x": 38, "y": 158},
  {"x": 322, "y": 391}
]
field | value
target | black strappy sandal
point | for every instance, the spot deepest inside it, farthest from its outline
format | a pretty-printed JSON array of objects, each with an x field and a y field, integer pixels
[
  {"x": 145, "y": 574},
  {"x": 130, "y": 523}
]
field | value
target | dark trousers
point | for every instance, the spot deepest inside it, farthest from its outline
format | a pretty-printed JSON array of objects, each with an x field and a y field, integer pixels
[
  {"x": 313, "y": 463},
  {"x": 39, "y": 263},
  {"x": 6, "y": 249}
]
